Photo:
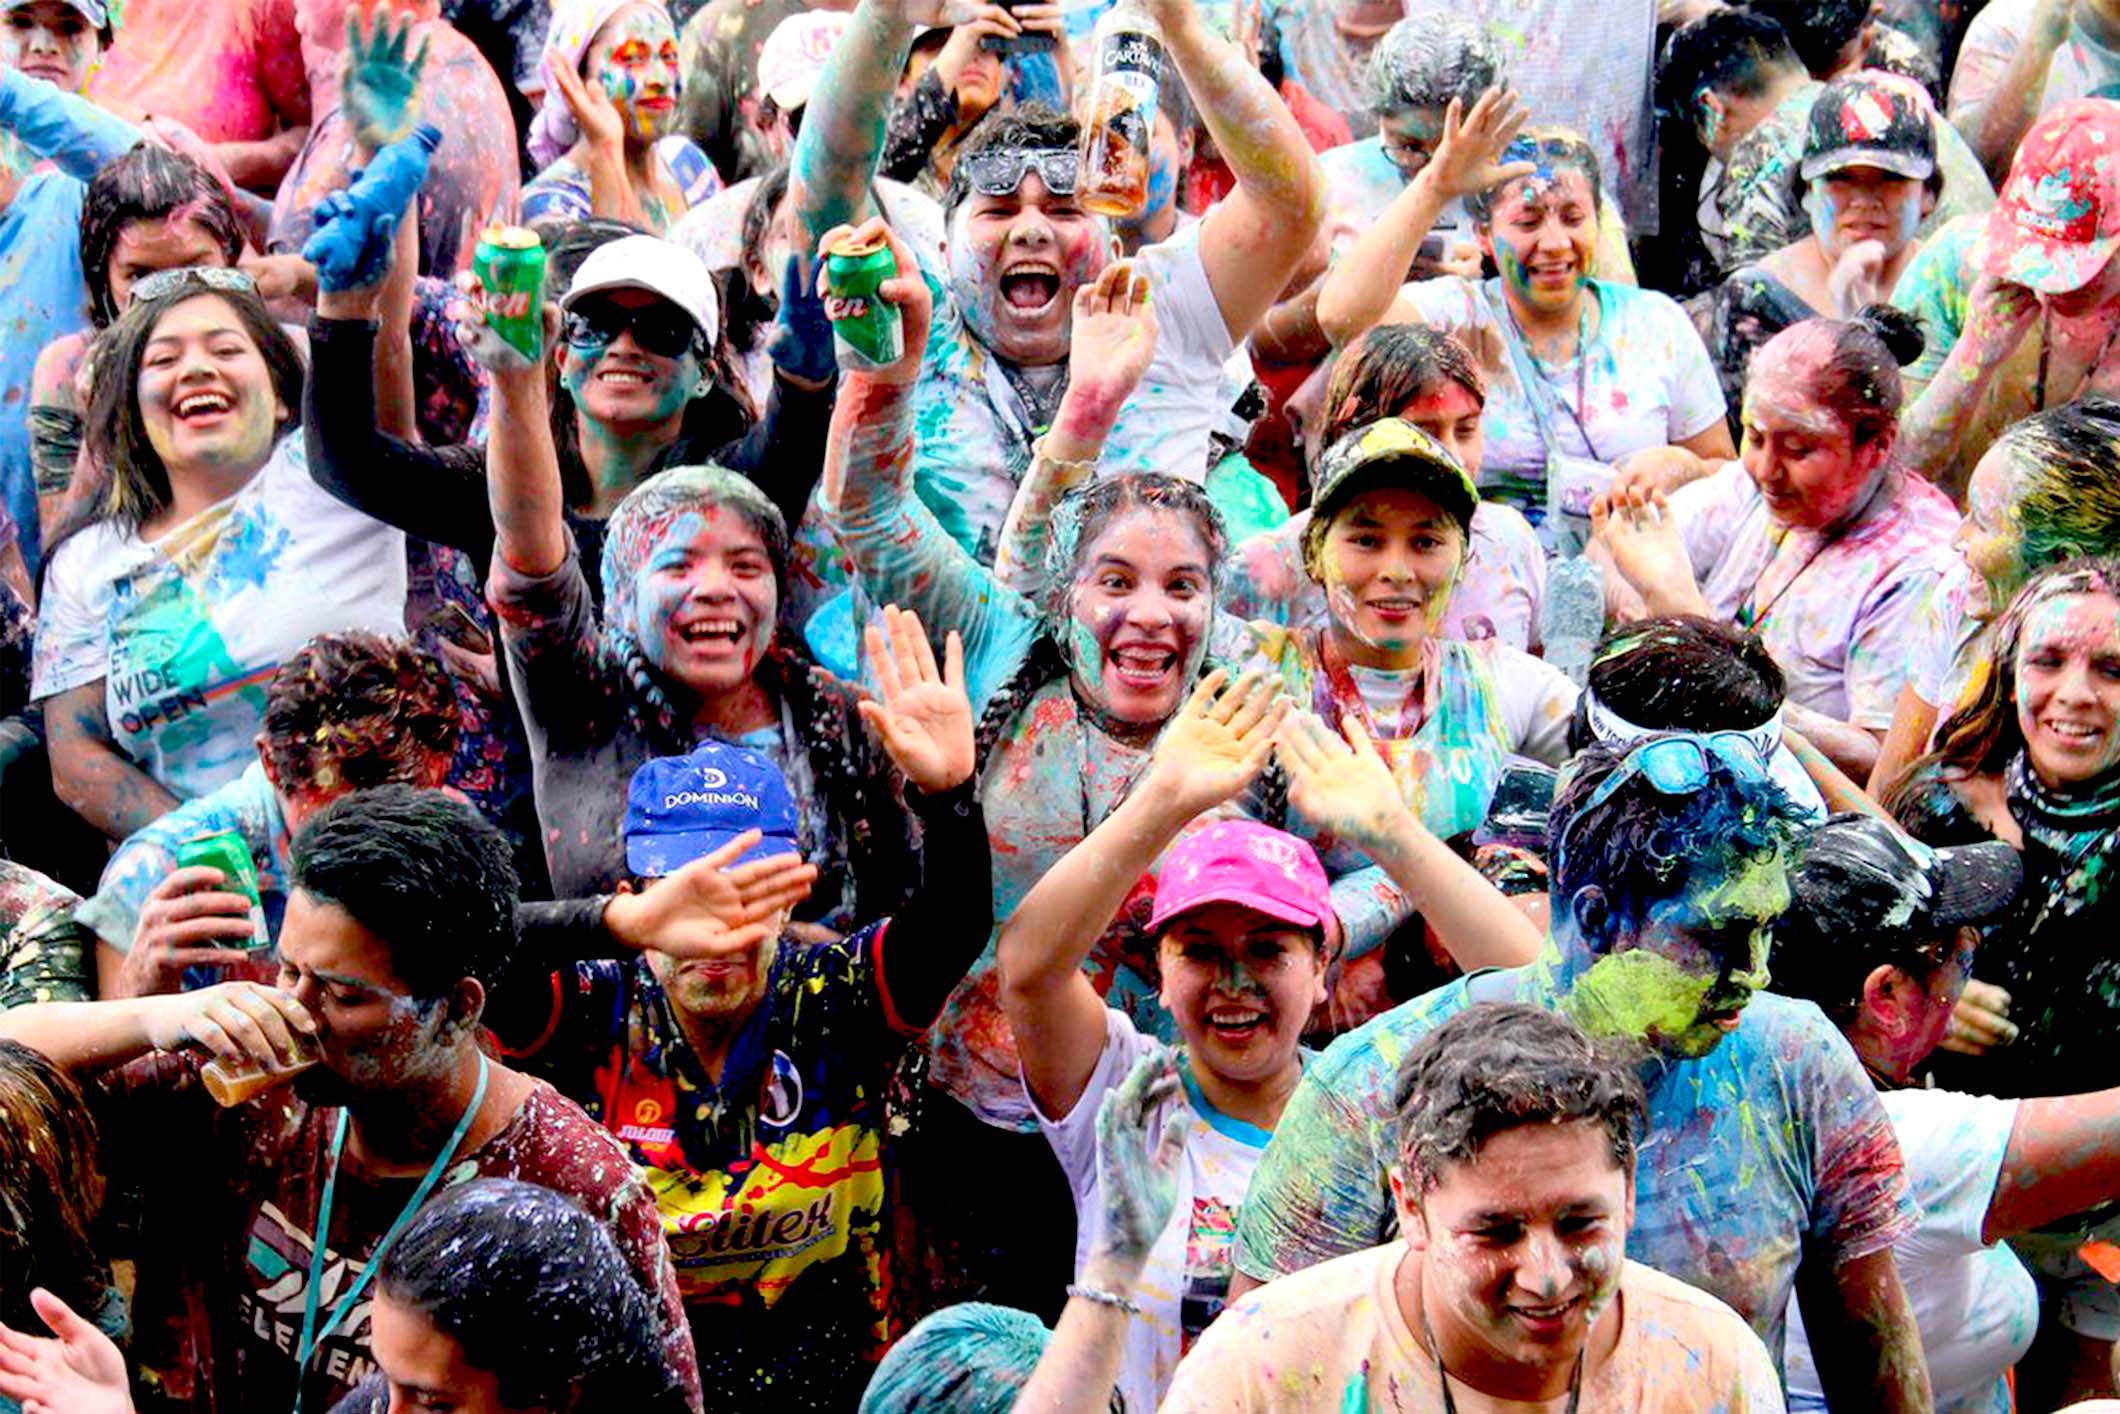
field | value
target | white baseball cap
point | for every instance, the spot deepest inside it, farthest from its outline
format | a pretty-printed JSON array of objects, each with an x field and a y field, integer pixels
[
  {"x": 794, "y": 54},
  {"x": 658, "y": 266}
]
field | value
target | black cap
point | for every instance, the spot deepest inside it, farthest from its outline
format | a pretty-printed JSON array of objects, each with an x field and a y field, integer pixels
[
  {"x": 1871, "y": 119},
  {"x": 1860, "y": 876}
]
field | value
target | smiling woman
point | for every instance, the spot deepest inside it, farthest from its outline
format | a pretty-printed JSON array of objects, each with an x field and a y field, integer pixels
[{"x": 209, "y": 557}]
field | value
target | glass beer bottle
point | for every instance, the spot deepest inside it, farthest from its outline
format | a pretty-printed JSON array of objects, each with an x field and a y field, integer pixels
[{"x": 1122, "y": 112}]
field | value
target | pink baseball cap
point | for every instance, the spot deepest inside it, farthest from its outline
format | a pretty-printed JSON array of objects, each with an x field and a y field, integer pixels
[
  {"x": 2057, "y": 221},
  {"x": 1243, "y": 861}
]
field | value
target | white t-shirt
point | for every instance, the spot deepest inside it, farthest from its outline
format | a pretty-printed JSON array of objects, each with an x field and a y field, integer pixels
[
  {"x": 1975, "y": 1305},
  {"x": 1947, "y": 636},
  {"x": 1838, "y": 617},
  {"x": 2081, "y": 67},
  {"x": 187, "y": 631},
  {"x": 1645, "y": 381},
  {"x": 1187, "y": 1277}
]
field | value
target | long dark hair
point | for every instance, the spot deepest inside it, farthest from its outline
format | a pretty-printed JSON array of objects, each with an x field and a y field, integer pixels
[
  {"x": 536, "y": 1291},
  {"x": 719, "y": 416},
  {"x": 1982, "y": 736},
  {"x": 50, "y": 1189},
  {"x": 137, "y": 483}
]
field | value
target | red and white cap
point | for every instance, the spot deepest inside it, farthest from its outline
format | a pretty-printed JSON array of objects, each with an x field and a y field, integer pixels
[{"x": 2057, "y": 222}]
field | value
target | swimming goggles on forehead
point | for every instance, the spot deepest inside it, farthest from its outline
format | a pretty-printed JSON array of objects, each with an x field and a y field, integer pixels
[
  {"x": 660, "y": 329},
  {"x": 998, "y": 171},
  {"x": 214, "y": 277},
  {"x": 1676, "y": 766}
]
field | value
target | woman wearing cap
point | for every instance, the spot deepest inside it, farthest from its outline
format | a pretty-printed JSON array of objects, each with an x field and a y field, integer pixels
[
  {"x": 1870, "y": 179},
  {"x": 1582, "y": 372},
  {"x": 1881, "y": 933},
  {"x": 2047, "y": 490},
  {"x": 604, "y": 138},
  {"x": 1818, "y": 540},
  {"x": 208, "y": 559},
  {"x": 2021, "y": 307},
  {"x": 1239, "y": 919}
]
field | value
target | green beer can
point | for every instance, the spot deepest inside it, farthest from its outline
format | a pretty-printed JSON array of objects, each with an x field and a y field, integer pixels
[
  {"x": 510, "y": 265},
  {"x": 867, "y": 330},
  {"x": 227, "y": 851}
]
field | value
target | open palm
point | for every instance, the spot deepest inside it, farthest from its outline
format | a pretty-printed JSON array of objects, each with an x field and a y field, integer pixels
[
  {"x": 1114, "y": 334},
  {"x": 1220, "y": 740},
  {"x": 80, "y": 1372},
  {"x": 924, "y": 717},
  {"x": 597, "y": 117},
  {"x": 1467, "y": 160},
  {"x": 378, "y": 82},
  {"x": 1339, "y": 784}
]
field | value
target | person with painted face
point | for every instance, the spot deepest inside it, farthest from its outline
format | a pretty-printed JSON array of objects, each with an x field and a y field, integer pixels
[
  {"x": 1424, "y": 377},
  {"x": 402, "y": 914},
  {"x": 606, "y": 138},
  {"x": 1669, "y": 867},
  {"x": 1818, "y": 539},
  {"x": 1736, "y": 78},
  {"x": 2048, "y": 490},
  {"x": 953, "y": 78},
  {"x": 64, "y": 139},
  {"x": 208, "y": 560},
  {"x": 1021, "y": 247},
  {"x": 1514, "y": 1188},
  {"x": 2021, "y": 308},
  {"x": 1881, "y": 933},
  {"x": 746, "y": 1072},
  {"x": 1582, "y": 372},
  {"x": 1239, "y": 917},
  {"x": 1870, "y": 178}
]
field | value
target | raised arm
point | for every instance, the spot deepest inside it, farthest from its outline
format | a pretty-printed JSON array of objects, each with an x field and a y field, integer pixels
[
  {"x": 1252, "y": 242},
  {"x": 522, "y": 466},
  {"x": 1214, "y": 748},
  {"x": 1345, "y": 787},
  {"x": 1997, "y": 123},
  {"x": 63, "y": 128},
  {"x": 1998, "y": 315},
  {"x": 1113, "y": 340},
  {"x": 1360, "y": 290}
]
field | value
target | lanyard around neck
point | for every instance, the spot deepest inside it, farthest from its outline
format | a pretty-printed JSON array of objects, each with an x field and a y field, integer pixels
[
  {"x": 312, "y": 1335},
  {"x": 1582, "y": 366},
  {"x": 1442, "y": 1376}
]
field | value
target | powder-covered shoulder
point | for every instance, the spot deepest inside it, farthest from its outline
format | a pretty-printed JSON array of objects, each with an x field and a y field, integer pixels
[
  {"x": 1360, "y": 1066},
  {"x": 1671, "y": 1321}
]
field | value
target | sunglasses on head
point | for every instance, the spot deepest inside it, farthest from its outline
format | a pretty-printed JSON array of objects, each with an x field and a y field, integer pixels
[
  {"x": 999, "y": 171},
  {"x": 1675, "y": 766},
  {"x": 213, "y": 277},
  {"x": 660, "y": 329}
]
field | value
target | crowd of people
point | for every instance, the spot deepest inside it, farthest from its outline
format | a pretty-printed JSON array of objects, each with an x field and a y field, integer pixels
[{"x": 1465, "y": 756}]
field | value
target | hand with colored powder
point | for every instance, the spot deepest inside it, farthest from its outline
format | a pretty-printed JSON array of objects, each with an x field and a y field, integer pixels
[
  {"x": 1137, "y": 1185},
  {"x": 1217, "y": 743},
  {"x": 350, "y": 247},
  {"x": 467, "y": 316},
  {"x": 925, "y": 718},
  {"x": 801, "y": 342},
  {"x": 602, "y": 126},
  {"x": 1341, "y": 785},
  {"x": 378, "y": 83},
  {"x": 1980, "y": 1021},
  {"x": 1635, "y": 530},
  {"x": 713, "y": 907},
  {"x": 907, "y": 289},
  {"x": 1998, "y": 315},
  {"x": 1112, "y": 340},
  {"x": 75, "y": 1370},
  {"x": 1467, "y": 160}
]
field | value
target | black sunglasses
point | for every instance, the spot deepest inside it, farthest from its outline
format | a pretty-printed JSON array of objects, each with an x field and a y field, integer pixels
[{"x": 660, "y": 329}]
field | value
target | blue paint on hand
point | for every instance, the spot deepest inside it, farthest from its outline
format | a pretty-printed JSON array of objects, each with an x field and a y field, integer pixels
[
  {"x": 802, "y": 338},
  {"x": 351, "y": 246}
]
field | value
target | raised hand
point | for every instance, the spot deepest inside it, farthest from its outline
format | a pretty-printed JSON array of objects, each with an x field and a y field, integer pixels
[
  {"x": 925, "y": 718},
  {"x": 965, "y": 40},
  {"x": 1340, "y": 784},
  {"x": 75, "y": 1370},
  {"x": 601, "y": 125},
  {"x": 1636, "y": 529},
  {"x": 1138, "y": 1186},
  {"x": 351, "y": 246},
  {"x": 378, "y": 84},
  {"x": 467, "y": 316},
  {"x": 801, "y": 343},
  {"x": 1114, "y": 337},
  {"x": 1466, "y": 162},
  {"x": 712, "y": 906},
  {"x": 1218, "y": 742},
  {"x": 186, "y": 921},
  {"x": 934, "y": 13},
  {"x": 906, "y": 289}
]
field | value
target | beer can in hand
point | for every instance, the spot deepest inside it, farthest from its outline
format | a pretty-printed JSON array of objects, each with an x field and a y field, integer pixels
[
  {"x": 510, "y": 265},
  {"x": 229, "y": 852},
  {"x": 867, "y": 330}
]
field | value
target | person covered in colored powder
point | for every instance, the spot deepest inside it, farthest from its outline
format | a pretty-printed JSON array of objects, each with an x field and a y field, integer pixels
[
  {"x": 2020, "y": 308},
  {"x": 1021, "y": 247},
  {"x": 1582, "y": 373},
  {"x": 1819, "y": 539},
  {"x": 606, "y": 138},
  {"x": 1513, "y": 1181},
  {"x": 746, "y": 1072},
  {"x": 1768, "y": 1169},
  {"x": 1239, "y": 920},
  {"x": 2032, "y": 758},
  {"x": 402, "y": 913}
]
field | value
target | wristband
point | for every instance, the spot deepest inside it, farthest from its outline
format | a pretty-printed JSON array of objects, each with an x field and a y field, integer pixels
[{"x": 1104, "y": 1298}]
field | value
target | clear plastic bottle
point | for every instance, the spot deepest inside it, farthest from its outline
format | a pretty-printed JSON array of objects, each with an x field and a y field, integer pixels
[
  {"x": 1122, "y": 112},
  {"x": 1573, "y": 616}
]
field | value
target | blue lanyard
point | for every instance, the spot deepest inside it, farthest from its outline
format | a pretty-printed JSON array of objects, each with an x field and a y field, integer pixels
[{"x": 312, "y": 1337}]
